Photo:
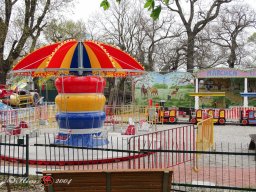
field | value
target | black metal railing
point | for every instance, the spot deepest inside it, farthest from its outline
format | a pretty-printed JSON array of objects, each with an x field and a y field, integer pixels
[{"x": 14, "y": 155}]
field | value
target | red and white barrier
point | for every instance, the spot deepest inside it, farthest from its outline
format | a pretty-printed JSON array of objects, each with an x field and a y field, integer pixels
[
  {"x": 179, "y": 138},
  {"x": 31, "y": 115}
]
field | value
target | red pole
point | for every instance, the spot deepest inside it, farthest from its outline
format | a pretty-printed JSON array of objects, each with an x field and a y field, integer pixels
[{"x": 150, "y": 102}]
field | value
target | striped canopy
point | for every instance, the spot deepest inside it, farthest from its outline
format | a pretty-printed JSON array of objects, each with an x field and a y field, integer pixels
[{"x": 73, "y": 57}]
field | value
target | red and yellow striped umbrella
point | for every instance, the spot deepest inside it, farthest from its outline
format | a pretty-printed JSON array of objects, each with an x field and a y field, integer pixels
[{"x": 73, "y": 57}]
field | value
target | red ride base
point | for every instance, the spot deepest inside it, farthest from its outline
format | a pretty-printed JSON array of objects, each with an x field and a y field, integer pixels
[{"x": 74, "y": 84}]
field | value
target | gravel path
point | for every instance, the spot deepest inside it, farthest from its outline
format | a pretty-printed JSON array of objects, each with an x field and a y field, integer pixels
[{"x": 233, "y": 134}]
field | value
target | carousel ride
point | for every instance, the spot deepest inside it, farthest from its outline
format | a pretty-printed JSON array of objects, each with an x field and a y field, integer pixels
[{"x": 80, "y": 69}]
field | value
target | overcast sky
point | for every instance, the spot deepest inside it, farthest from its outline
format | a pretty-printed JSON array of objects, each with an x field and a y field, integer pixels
[{"x": 85, "y": 8}]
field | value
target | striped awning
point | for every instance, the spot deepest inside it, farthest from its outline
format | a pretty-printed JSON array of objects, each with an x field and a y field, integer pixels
[{"x": 73, "y": 57}]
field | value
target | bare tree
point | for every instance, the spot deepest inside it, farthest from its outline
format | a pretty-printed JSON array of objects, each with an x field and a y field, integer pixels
[
  {"x": 172, "y": 55},
  {"x": 229, "y": 31},
  {"x": 208, "y": 54},
  {"x": 250, "y": 49},
  {"x": 129, "y": 27},
  {"x": 156, "y": 33},
  {"x": 195, "y": 19},
  {"x": 20, "y": 22},
  {"x": 61, "y": 30},
  {"x": 118, "y": 25}
]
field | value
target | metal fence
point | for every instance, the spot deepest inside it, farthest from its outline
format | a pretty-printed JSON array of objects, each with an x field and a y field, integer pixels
[
  {"x": 14, "y": 155},
  {"x": 122, "y": 151},
  {"x": 43, "y": 116},
  {"x": 181, "y": 138},
  {"x": 223, "y": 166},
  {"x": 35, "y": 117},
  {"x": 227, "y": 166},
  {"x": 116, "y": 116}
]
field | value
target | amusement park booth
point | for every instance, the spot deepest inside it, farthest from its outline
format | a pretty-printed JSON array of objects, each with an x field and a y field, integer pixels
[{"x": 234, "y": 84}]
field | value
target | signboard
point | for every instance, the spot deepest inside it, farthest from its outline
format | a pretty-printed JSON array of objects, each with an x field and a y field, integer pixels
[{"x": 225, "y": 73}]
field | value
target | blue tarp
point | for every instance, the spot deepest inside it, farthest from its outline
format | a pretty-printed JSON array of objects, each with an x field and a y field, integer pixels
[{"x": 4, "y": 107}]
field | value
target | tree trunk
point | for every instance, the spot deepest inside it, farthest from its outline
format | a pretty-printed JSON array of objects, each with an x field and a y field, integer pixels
[
  {"x": 232, "y": 59},
  {"x": 4, "y": 68},
  {"x": 190, "y": 52},
  {"x": 232, "y": 56},
  {"x": 3, "y": 76},
  {"x": 133, "y": 91},
  {"x": 116, "y": 92},
  {"x": 150, "y": 66}
]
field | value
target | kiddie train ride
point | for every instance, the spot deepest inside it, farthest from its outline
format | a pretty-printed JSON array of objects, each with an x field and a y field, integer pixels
[
  {"x": 161, "y": 115},
  {"x": 174, "y": 115},
  {"x": 248, "y": 117}
]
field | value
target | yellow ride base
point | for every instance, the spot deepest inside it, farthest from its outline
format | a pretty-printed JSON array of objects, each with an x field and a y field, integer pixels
[{"x": 80, "y": 102}]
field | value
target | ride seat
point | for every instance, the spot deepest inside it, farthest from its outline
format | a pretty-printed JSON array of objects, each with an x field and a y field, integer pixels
[
  {"x": 130, "y": 130},
  {"x": 63, "y": 137}
]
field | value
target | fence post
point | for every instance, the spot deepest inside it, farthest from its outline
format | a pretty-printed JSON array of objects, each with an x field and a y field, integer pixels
[
  {"x": 27, "y": 155},
  {"x": 129, "y": 153}
]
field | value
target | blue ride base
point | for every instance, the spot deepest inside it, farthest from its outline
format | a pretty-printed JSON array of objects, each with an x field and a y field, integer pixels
[
  {"x": 81, "y": 121},
  {"x": 81, "y": 140}
]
